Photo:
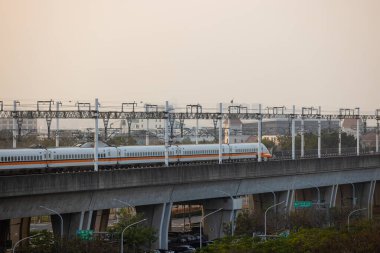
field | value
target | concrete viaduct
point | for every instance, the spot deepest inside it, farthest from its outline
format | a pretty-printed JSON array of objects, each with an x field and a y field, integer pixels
[{"x": 84, "y": 198}]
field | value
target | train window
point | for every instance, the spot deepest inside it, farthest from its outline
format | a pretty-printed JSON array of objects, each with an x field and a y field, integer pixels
[{"x": 2, "y": 159}]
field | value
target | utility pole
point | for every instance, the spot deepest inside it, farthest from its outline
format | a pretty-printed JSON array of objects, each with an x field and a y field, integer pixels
[
  {"x": 293, "y": 133},
  {"x": 148, "y": 109},
  {"x": 57, "y": 126},
  {"x": 15, "y": 116},
  {"x": 96, "y": 134},
  {"x": 198, "y": 109},
  {"x": 319, "y": 132},
  {"x": 259, "y": 125},
  {"x": 166, "y": 117},
  {"x": 220, "y": 117}
]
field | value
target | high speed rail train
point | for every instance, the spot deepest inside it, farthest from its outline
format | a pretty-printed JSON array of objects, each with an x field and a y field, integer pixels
[{"x": 75, "y": 157}]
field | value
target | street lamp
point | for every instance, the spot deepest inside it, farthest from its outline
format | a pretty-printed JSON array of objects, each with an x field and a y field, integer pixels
[
  {"x": 14, "y": 247},
  {"x": 265, "y": 217},
  {"x": 348, "y": 218},
  {"x": 122, "y": 234},
  {"x": 232, "y": 218},
  {"x": 319, "y": 193},
  {"x": 125, "y": 203},
  {"x": 51, "y": 210},
  {"x": 200, "y": 226}
]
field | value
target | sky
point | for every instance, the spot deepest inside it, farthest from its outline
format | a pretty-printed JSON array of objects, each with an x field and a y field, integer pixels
[{"x": 275, "y": 52}]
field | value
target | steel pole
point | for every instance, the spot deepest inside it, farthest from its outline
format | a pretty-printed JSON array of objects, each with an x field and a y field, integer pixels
[
  {"x": 302, "y": 137},
  {"x": 220, "y": 132},
  {"x": 259, "y": 123},
  {"x": 377, "y": 137},
  {"x": 53, "y": 211},
  {"x": 196, "y": 128},
  {"x": 349, "y": 215},
  {"x": 57, "y": 127},
  {"x": 357, "y": 137},
  {"x": 14, "y": 132},
  {"x": 293, "y": 134},
  {"x": 122, "y": 234},
  {"x": 166, "y": 134},
  {"x": 265, "y": 218},
  {"x": 340, "y": 137},
  {"x": 147, "y": 133},
  {"x": 319, "y": 138},
  {"x": 200, "y": 226},
  {"x": 29, "y": 237},
  {"x": 96, "y": 135}
]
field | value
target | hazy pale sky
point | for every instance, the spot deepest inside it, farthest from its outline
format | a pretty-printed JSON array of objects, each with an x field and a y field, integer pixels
[{"x": 276, "y": 52}]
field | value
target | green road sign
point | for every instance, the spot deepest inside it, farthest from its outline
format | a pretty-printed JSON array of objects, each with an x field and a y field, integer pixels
[
  {"x": 302, "y": 204},
  {"x": 85, "y": 234}
]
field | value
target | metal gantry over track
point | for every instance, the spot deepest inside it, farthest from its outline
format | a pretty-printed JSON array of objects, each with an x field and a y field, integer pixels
[{"x": 130, "y": 111}]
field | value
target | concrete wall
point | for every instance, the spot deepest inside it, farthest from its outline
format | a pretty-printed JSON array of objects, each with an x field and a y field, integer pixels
[{"x": 21, "y": 196}]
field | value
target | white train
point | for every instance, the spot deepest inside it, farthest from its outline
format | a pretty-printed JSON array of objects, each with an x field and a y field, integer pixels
[{"x": 74, "y": 157}]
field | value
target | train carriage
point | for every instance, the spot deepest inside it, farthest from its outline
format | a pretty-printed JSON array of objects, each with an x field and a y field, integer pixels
[
  {"x": 80, "y": 157},
  {"x": 22, "y": 159},
  {"x": 141, "y": 155},
  {"x": 74, "y": 157},
  {"x": 207, "y": 152}
]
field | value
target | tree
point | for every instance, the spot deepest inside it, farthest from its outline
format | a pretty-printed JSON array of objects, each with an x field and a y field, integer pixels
[
  {"x": 271, "y": 145},
  {"x": 136, "y": 237}
]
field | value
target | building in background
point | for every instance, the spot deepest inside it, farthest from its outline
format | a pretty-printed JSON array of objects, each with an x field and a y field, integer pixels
[{"x": 27, "y": 125}]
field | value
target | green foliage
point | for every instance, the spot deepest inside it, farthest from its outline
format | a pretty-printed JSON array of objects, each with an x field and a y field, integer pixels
[
  {"x": 363, "y": 238},
  {"x": 136, "y": 237},
  {"x": 308, "y": 218},
  {"x": 328, "y": 140},
  {"x": 246, "y": 223},
  {"x": 186, "y": 140},
  {"x": 271, "y": 145}
]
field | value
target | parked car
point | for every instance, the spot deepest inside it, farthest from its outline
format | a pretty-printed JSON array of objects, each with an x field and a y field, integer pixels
[
  {"x": 163, "y": 251},
  {"x": 184, "y": 249}
]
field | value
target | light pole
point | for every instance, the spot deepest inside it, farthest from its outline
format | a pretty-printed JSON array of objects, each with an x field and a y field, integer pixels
[
  {"x": 51, "y": 210},
  {"x": 319, "y": 193},
  {"x": 265, "y": 218},
  {"x": 232, "y": 216},
  {"x": 14, "y": 247},
  {"x": 200, "y": 226},
  {"x": 122, "y": 233},
  {"x": 125, "y": 203},
  {"x": 348, "y": 218}
]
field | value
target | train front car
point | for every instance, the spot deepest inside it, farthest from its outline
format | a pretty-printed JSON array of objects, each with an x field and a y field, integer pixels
[
  {"x": 265, "y": 154},
  {"x": 15, "y": 161},
  {"x": 241, "y": 151}
]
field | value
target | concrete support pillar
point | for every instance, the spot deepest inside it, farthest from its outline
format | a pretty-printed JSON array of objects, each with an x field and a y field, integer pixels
[
  {"x": 73, "y": 222},
  {"x": 4, "y": 234},
  {"x": 101, "y": 220},
  {"x": 330, "y": 194},
  {"x": 70, "y": 224},
  {"x": 376, "y": 202},
  {"x": 213, "y": 225},
  {"x": 19, "y": 228},
  {"x": 346, "y": 196},
  {"x": 159, "y": 218},
  {"x": 367, "y": 198},
  {"x": 289, "y": 197},
  {"x": 262, "y": 201}
]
